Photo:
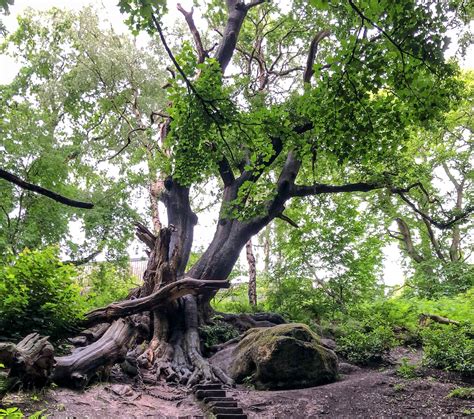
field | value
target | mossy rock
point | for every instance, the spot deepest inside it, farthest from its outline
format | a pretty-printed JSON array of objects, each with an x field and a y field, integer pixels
[{"x": 283, "y": 357}]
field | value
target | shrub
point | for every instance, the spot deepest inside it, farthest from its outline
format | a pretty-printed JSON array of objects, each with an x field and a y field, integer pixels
[
  {"x": 406, "y": 370},
  {"x": 365, "y": 344},
  {"x": 39, "y": 289},
  {"x": 216, "y": 333},
  {"x": 234, "y": 300},
  {"x": 105, "y": 283},
  {"x": 449, "y": 347},
  {"x": 466, "y": 393}
]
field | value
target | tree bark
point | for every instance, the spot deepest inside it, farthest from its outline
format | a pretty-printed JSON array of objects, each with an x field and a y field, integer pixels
[
  {"x": 30, "y": 361},
  {"x": 252, "y": 286}
]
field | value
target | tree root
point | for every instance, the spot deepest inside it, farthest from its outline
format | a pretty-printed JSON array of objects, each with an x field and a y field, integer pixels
[{"x": 77, "y": 369}]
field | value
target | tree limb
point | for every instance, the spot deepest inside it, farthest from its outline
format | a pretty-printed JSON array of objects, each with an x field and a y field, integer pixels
[
  {"x": 10, "y": 177},
  {"x": 288, "y": 220},
  {"x": 188, "y": 16},
  {"x": 167, "y": 294},
  {"x": 309, "y": 71},
  {"x": 407, "y": 240},
  {"x": 321, "y": 188}
]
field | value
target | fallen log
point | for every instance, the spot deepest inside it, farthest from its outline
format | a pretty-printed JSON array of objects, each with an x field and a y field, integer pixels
[
  {"x": 423, "y": 319},
  {"x": 90, "y": 335}
]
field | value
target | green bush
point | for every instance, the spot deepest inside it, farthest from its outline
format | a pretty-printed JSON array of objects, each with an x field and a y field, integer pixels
[
  {"x": 38, "y": 293},
  {"x": 216, "y": 333},
  {"x": 406, "y": 370},
  {"x": 449, "y": 347},
  {"x": 466, "y": 393},
  {"x": 297, "y": 300},
  {"x": 105, "y": 283},
  {"x": 365, "y": 344},
  {"x": 234, "y": 300}
]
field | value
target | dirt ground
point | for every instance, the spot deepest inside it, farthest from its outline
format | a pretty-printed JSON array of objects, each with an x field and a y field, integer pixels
[{"x": 364, "y": 393}]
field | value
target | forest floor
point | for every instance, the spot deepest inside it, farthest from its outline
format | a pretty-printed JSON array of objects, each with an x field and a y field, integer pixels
[{"x": 361, "y": 392}]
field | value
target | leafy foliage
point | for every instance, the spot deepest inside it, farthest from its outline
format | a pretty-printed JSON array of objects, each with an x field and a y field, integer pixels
[
  {"x": 105, "y": 282},
  {"x": 38, "y": 288},
  {"x": 466, "y": 393},
  {"x": 68, "y": 120},
  {"x": 216, "y": 333},
  {"x": 407, "y": 370},
  {"x": 450, "y": 348},
  {"x": 365, "y": 343}
]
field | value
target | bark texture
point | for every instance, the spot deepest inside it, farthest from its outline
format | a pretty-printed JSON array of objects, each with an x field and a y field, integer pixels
[{"x": 252, "y": 287}]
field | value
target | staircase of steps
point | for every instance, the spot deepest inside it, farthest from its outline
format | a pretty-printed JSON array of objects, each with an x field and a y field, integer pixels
[{"x": 216, "y": 402}]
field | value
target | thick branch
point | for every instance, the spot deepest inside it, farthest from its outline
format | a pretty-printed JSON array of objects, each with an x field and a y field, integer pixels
[
  {"x": 237, "y": 11},
  {"x": 288, "y": 220},
  {"x": 321, "y": 188},
  {"x": 410, "y": 248},
  {"x": 202, "y": 54},
  {"x": 309, "y": 71},
  {"x": 165, "y": 295},
  {"x": 10, "y": 177}
]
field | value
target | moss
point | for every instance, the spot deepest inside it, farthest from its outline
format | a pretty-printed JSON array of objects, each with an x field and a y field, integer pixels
[{"x": 283, "y": 356}]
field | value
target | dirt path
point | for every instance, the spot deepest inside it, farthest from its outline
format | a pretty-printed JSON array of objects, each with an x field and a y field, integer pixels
[
  {"x": 368, "y": 394},
  {"x": 364, "y": 393},
  {"x": 108, "y": 401}
]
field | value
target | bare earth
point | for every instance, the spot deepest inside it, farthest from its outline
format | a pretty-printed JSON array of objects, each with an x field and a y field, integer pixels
[{"x": 364, "y": 393}]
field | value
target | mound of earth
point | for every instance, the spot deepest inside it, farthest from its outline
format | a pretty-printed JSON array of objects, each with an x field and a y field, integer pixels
[{"x": 282, "y": 357}]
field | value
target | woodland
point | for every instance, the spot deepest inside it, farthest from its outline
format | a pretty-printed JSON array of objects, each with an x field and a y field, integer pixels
[{"x": 267, "y": 156}]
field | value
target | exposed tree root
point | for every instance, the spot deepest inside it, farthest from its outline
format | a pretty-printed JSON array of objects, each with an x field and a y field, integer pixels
[
  {"x": 76, "y": 369},
  {"x": 155, "y": 332}
]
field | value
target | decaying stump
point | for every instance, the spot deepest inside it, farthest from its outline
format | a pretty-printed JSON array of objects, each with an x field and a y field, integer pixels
[{"x": 30, "y": 361}]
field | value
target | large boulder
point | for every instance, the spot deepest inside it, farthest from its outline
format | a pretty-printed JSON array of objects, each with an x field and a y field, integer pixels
[{"x": 283, "y": 357}]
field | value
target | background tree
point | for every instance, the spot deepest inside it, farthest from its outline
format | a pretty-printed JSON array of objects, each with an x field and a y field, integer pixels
[
  {"x": 434, "y": 217},
  {"x": 93, "y": 94}
]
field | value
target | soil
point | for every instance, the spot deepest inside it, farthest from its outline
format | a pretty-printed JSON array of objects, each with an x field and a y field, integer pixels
[{"x": 360, "y": 392}]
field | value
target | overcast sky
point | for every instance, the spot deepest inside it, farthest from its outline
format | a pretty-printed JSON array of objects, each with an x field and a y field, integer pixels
[{"x": 8, "y": 69}]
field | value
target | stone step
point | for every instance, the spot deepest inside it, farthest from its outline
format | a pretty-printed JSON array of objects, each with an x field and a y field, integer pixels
[
  {"x": 202, "y": 394},
  {"x": 215, "y": 386},
  {"x": 231, "y": 416},
  {"x": 227, "y": 410},
  {"x": 208, "y": 400},
  {"x": 223, "y": 404}
]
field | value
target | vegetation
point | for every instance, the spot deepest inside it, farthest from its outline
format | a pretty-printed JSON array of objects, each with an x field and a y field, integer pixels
[
  {"x": 38, "y": 288},
  {"x": 323, "y": 131},
  {"x": 450, "y": 348},
  {"x": 462, "y": 393}
]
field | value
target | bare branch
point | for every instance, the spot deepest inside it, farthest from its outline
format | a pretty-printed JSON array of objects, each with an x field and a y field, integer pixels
[
  {"x": 441, "y": 225},
  {"x": 406, "y": 234},
  {"x": 202, "y": 54},
  {"x": 288, "y": 220},
  {"x": 10, "y": 177}
]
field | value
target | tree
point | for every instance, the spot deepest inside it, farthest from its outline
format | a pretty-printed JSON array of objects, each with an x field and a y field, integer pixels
[
  {"x": 87, "y": 89},
  {"x": 433, "y": 217},
  {"x": 370, "y": 72}
]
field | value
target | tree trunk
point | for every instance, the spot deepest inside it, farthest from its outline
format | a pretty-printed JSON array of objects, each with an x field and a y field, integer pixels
[{"x": 252, "y": 287}]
